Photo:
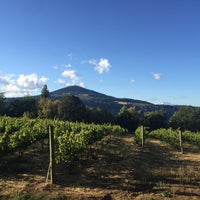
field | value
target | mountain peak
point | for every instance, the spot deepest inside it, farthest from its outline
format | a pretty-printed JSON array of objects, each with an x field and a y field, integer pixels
[{"x": 95, "y": 99}]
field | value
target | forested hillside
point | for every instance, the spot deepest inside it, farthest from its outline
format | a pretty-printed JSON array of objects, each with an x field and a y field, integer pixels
[{"x": 75, "y": 103}]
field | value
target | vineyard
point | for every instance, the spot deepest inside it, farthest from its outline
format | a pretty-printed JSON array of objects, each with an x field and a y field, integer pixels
[
  {"x": 16, "y": 134},
  {"x": 71, "y": 138},
  {"x": 96, "y": 162},
  {"x": 169, "y": 136}
]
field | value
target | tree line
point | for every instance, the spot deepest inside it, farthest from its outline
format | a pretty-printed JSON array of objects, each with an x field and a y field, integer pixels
[{"x": 71, "y": 108}]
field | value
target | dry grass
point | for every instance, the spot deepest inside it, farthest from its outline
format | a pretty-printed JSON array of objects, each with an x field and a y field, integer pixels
[{"x": 115, "y": 168}]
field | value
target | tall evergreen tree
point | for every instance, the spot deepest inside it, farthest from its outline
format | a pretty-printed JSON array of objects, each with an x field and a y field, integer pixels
[
  {"x": 45, "y": 92},
  {"x": 2, "y": 106}
]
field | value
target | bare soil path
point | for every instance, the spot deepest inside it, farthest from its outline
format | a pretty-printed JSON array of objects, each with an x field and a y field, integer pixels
[{"x": 114, "y": 168}]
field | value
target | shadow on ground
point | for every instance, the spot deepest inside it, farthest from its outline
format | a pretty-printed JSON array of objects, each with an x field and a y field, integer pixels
[{"x": 115, "y": 163}]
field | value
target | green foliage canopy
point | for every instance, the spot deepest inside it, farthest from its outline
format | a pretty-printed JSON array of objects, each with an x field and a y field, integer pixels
[
  {"x": 155, "y": 119},
  {"x": 186, "y": 118},
  {"x": 128, "y": 118},
  {"x": 72, "y": 109}
]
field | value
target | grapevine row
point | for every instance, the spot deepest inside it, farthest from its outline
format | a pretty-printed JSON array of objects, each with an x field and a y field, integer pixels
[
  {"x": 70, "y": 137},
  {"x": 169, "y": 135}
]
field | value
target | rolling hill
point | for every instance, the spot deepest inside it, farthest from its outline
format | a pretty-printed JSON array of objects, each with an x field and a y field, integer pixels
[
  {"x": 98, "y": 100},
  {"x": 95, "y": 99}
]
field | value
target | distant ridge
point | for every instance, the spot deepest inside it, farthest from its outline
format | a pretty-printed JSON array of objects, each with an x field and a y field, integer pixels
[
  {"x": 95, "y": 99},
  {"x": 76, "y": 91},
  {"x": 98, "y": 100}
]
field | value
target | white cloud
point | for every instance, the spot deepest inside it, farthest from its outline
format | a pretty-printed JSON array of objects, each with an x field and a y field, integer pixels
[
  {"x": 56, "y": 67},
  {"x": 12, "y": 90},
  {"x": 101, "y": 65},
  {"x": 157, "y": 76},
  {"x": 23, "y": 85},
  {"x": 4, "y": 80},
  {"x": 67, "y": 65},
  {"x": 132, "y": 81},
  {"x": 61, "y": 81},
  {"x": 69, "y": 84},
  {"x": 71, "y": 74},
  {"x": 93, "y": 62},
  {"x": 31, "y": 81},
  {"x": 82, "y": 84}
]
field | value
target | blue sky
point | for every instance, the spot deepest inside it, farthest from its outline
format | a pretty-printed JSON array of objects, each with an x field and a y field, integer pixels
[{"x": 140, "y": 49}]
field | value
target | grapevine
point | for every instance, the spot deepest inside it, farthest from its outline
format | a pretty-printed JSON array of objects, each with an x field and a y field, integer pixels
[
  {"x": 16, "y": 134},
  {"x": 170, "y": 136}
]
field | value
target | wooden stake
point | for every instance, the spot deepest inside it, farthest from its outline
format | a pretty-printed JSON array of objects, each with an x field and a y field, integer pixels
[
  {"x": 51, "y": 152},
  {"x": 180, "y": 141},
  {"x": 142, "y": 134}
]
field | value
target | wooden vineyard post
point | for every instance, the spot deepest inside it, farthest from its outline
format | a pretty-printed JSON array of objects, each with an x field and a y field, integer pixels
[
  {"x": 142, "y": 134},
  {"x": 170, "y": 130},
  {"x": 180, "y": 141},
  {"x": 51, "y": 153}
]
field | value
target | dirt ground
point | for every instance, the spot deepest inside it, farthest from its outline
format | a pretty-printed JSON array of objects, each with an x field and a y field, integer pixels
[{"x": 113, "y": 169}]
